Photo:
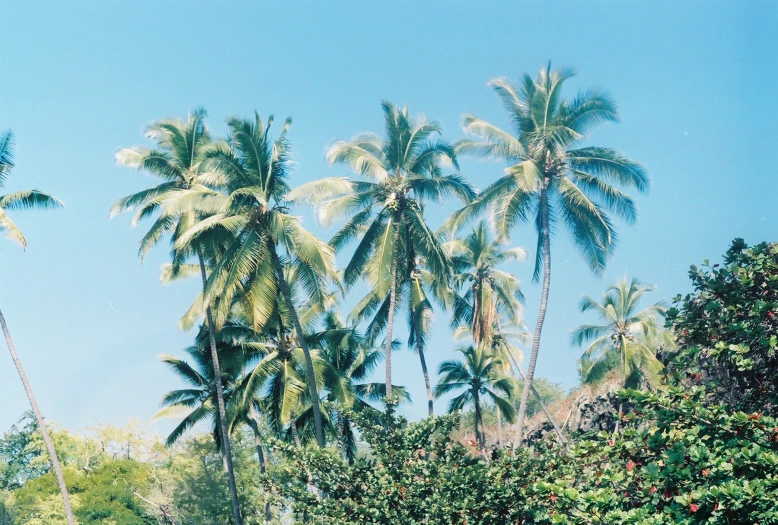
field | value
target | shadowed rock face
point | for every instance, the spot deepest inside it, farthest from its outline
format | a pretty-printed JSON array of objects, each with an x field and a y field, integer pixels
[{"x": 589, "y": 412}]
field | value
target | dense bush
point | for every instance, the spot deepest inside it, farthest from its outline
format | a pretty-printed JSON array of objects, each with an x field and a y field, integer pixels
[
  {"x": 684, "y": 463},
  {"x": 728, "y": 328},
  {"x": 690, "y": 453}
]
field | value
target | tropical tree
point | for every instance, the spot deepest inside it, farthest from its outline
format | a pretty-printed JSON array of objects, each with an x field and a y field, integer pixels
[
  {"x": 197, "y": 402},
  {"x": 20, "y": 200},
  {"x": 551, "y": 178},
  {"x": 349, "y": 359},
  {"x": 627, "y": 337},
  {"x": 265, "y": 236},
  {"x": 489, "y": 293},
  {"x": 179, "y": 200},
  {"x": 489, "y": 311},
  {"x": 386, "y": 211},
  {"x": 483, "y": 377}
]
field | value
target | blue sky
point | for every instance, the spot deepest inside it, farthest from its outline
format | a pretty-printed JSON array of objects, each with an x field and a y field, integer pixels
[{"x": 695, "y": 82}]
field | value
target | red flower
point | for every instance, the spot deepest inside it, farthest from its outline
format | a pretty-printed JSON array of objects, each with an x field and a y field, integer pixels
[
  {"x": 552, "y": 497},
  {"x": 630, "y": 465},
  {"x": 652, "y": 489},
  {"x": 694, "y": 507},
  {"x": 705, "y": 472}
]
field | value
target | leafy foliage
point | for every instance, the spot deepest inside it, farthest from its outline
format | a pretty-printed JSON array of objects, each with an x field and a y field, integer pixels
[{"x": 728, "y": 327}]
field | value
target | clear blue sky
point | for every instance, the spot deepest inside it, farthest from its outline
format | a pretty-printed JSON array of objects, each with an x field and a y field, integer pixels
[{"x": 695, "y": 82}]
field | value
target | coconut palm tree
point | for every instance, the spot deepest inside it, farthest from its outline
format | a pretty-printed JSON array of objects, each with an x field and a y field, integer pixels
[
  {"x": 349, "y": 360},
  {"x": 180, "y": 200},
  {"x": 627, "y": 336},
  {"x": 489, "y": 293},
  {"x": 197, "y": 402},
  {"x": 265, "y": 236},
  {"x": 482, "y": 376},
  {"x": 551, "y": 178},
  {"x": 386, "y": 210},
  {"x": 20, "y": 200}
]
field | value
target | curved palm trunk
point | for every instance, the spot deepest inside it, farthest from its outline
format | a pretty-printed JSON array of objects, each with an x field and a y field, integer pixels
[
  {"x": 223, "y": 428},
  {"x": 310, "y": 373},
  {"x": 533, "y": 359},
  {"x": 427, "y": 384},
  {"x": 253, "y": 418},
  {"x": 390, "y": 319},
  {"x": 55, "y": 465},
  {"x": 550, "y": 418}
]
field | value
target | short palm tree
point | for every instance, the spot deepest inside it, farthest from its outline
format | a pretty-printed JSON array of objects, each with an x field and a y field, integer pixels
[
  {"x": 550, "y": 178},
  {"x": 489, "y": 293},
  {"x": 349, "y": 359},
  {"x": 27, "y": 199},
  {"x": 627, "y": 336},
  {"x": 197, "y": 402},
  {"x": 386, "y": 210},
  {"x": 265, "y": 236},
  {"x": 177, "y": 159},
  {"x": 482, "y": 376},
  {"x": 630, "y": 335}
]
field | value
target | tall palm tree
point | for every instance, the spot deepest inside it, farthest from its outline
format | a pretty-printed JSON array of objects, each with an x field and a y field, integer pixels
[
  {"x": 265, "y": 236},
  {"x": 27, "y": 199},
  {"x": 402, "y": 171},
  {"x": 482, "y": 376},
  {"x": 627, "y": 336},
  {"x": 551, "y": 178},
  {"x": 177, "y": 159}
]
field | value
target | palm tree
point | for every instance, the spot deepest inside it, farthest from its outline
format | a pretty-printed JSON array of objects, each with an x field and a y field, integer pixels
[
  {"x": 482, "y": 375},
  {"x": 492, "y": 301},
  {"x": 403, "y": 170},
  {"x": 27, "y": 199},
  {"x": 550, "y": 178},
  {"x": 489, "y": 293},
  {"x": 177, "y": 159},
  {"x": 349, "y": 359},
  {"x": 197, "y": 402},
  {"x": 265, "y": 236},
  {"x": 628, "y": 336}
]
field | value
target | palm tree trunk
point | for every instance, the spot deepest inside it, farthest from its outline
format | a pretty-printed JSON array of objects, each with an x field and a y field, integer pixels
[
  {"x": 551, "y": 420},
  {"x": 295, "y": 435},
  {"x": 253, "y": 421},
  {"x": 223, "y": 428},
  {"x": 533, "y": 359},
  {"x": 545, "y": 409},
  {"x": 499, "y": 426},
  {"x": 341, "y": 434},
  {"x": 477, "y": 420},
  {"x": 427, "y": 384},
  {"x": 310, "y": 373},
  {"x": 623, "y": 351},
  {"x": 55, "y": 465},
  {"x": 390, "y": 320}
]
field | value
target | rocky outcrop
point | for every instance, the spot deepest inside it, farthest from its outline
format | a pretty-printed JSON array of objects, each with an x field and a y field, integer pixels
[{"x": 587, "y": 410}]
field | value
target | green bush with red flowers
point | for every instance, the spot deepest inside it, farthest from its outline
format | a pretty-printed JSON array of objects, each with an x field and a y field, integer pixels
[{"x": 702, "y": 449}]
